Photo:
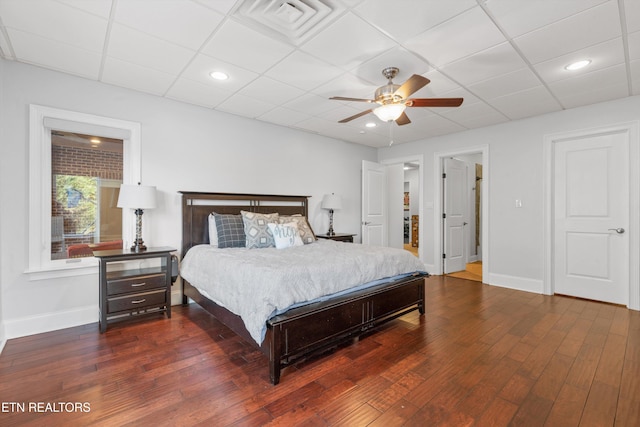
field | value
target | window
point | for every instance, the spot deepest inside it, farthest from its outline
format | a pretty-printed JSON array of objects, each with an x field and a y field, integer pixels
[
  {"x": 85, "y": 182},
  {"x": 72, "y": 198}
]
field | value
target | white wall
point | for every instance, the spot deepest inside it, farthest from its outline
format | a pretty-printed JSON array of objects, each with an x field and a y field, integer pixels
[
  {"x": 515, "y": 172},
  {"x": 183, "y": 148},
  {"x": 2, "y": 144}
]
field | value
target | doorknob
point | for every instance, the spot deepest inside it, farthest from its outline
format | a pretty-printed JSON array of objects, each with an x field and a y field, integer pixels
[
  {"x": 366, "y": 222},
  {"x": 617, "y": 230},
  {"x": 464, "y": 223}
]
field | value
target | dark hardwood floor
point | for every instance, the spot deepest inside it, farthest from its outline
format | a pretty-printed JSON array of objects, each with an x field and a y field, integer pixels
[{"x": 481, "y": 356}]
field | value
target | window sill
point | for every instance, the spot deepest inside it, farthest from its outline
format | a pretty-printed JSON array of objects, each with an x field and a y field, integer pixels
[{"x": 70, "y": 268}]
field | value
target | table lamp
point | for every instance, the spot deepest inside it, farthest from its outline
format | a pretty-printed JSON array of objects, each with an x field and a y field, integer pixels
[
  {"x": 331, "y": 202},
  {"x": 137, "y": 197}
]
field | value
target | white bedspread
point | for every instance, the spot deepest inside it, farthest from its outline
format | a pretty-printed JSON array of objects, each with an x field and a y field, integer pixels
[{"x": 256, "y": 283}]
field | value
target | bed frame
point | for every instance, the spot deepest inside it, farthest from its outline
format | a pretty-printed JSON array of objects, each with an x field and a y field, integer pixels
[{"x": 305, "y": 330}]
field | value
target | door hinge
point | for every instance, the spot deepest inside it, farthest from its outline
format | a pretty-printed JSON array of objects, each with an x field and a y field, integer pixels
[
  {"x": 444, "y": 256},
  {"x": 444, "y": 216},
  {"x": 444, "y": 175}
]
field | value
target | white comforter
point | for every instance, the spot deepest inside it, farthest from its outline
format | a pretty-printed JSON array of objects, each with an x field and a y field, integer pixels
[{"x": 257, "y": 283}]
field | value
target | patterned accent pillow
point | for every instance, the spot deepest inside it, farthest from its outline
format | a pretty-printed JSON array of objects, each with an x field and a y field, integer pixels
[
  {"x": 306, "y": 232},
  {"x": 256, "y": 230},
  {"x": 285, "y": 235},
  {"x": 230, "y": 231}
]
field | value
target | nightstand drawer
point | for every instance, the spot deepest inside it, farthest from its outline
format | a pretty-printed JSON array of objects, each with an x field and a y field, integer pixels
[
  {"x": 137, "y": 301},
  {"x": 136, "y": 284}
]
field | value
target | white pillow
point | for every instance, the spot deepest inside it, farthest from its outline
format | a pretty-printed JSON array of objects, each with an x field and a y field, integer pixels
[
  {"x": 213, "y": 231},
  {"x": 285, "y": 235}
]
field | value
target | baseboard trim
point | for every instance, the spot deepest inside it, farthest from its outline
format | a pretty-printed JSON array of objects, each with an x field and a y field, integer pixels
[
  {"x": 31, "y": 325},
  {"x": 515, "y": 282}
]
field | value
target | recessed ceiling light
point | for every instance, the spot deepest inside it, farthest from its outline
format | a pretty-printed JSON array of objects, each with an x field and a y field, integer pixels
[
  {"x": 219, "y": 75},
  {"x": 371, "y": 125},
  {"x": 578, "y": 65},
  {"x": 94, "y": 141}
]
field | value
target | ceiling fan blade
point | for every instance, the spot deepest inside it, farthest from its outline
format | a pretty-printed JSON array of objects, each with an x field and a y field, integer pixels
[
  {"x": 403, "y": 119},
  {"x": 413, "y": 84},
  {"x": 434, "y": 102},
  {"x": 348, "y": 119},
  {"x": 342, "y": 98}
]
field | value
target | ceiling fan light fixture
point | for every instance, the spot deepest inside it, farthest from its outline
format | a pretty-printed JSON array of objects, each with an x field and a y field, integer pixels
[{"x": 389, "y": 112}]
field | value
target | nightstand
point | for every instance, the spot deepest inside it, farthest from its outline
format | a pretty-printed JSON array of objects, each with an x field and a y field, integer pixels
[
  {"x": 128, "y": 290},
  {"x": 339, "y": 237}
]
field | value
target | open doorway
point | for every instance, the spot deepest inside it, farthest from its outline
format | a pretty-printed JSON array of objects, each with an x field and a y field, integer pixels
[
  {"x": 461, "y": 231},
  {"x": 411, "y": 209}
]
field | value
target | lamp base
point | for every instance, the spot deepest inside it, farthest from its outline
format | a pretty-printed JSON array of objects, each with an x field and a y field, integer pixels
[{"x": 138, "y": 246}]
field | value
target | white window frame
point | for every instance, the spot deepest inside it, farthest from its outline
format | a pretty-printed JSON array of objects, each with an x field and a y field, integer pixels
[{"x": 41, "y": 266}]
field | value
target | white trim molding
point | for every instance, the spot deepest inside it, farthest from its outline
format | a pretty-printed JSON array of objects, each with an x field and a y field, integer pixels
[{"x": 41, "y": 121}]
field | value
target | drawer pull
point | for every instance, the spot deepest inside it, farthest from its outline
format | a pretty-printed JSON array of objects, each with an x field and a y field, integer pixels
[
  {"x": 135, "y": 285},
  {"x": 140, "y": 301}
]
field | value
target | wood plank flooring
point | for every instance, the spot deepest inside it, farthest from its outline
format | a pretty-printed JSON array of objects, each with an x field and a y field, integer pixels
[{"x": 481, "y": 356}]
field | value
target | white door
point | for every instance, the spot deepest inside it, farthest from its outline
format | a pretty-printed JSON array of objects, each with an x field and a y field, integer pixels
[
  {"x": 591, "y": 208},
  {"x": 454, "y": 214},
  {"x": 374, "y": 204}
]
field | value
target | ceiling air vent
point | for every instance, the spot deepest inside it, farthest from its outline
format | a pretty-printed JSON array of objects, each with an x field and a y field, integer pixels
[{"x": 295, "y": 21}]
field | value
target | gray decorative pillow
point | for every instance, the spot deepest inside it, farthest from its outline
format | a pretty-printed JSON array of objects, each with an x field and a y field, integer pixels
[
  {"x": 256, "y": 230},
  {"x": 306, "y": 232},
  {"x": 230, "y": 230}
]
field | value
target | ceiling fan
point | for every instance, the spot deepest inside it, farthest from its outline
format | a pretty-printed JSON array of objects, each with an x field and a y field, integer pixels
[{"x": 393, "y": 99}]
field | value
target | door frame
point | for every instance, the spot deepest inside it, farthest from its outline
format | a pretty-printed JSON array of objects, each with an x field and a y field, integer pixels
[
  {"x": 438, "y": 241},
  {"x": 419, "y": 160},
  {"x": 633, "y": 130}
]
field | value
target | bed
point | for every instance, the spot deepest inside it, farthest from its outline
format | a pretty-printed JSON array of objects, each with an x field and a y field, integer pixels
[{"x": 307, "y": 328}]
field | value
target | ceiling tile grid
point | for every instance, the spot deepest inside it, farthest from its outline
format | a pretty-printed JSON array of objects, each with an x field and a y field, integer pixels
[{"x": 285, "y": 59}]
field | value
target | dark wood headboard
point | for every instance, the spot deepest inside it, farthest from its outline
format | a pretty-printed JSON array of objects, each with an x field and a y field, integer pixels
[{"x": 196, "y": 207}]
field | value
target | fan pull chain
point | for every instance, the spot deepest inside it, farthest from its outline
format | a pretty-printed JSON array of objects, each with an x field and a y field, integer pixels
[{"x": 390, "y": 133}]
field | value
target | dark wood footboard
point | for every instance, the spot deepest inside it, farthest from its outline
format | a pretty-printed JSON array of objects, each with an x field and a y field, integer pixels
[{"x": 309, "y": 329}]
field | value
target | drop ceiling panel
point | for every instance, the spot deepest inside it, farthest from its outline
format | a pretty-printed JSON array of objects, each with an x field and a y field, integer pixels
[
  {"x": 57, "y": 56},
  {"x": 632, "y": 15},
  {"x": 246, "y": 106},
  {"x": 407, "y": 63},
  {"x": 55, "y": 21},
  {"x": 228, "y": 44},
  {"x": 139, "y": 48},
  {"x": 461, "y": 36},
  {"x": 597, "y": 86},
  {"x": 518, "y": 17},
  {"x": 497, "y": 60},
  {"x": 269, "y": 90},
  {"x": 634, "y": 46},
  {"x": 221, "y": 6},
  {"x": 185, "y": 23},
  {"x": 283, "y": 116},
  {"x": 505, "y": 84},
  {"x": 303, "y": 71},
  {"x": 202, "y": 65},
  {"x": 526, "y": 103},
  {"x": 348, "y": 42},
  {"x": 101, "y": 8},
  {"x": 129, "y": 75},
  {"x": 602, "y": 55},
  {"x": 197, "y": 93},
  {"x": 395, "y": 21},
  {"x": 575, "y": 33}
]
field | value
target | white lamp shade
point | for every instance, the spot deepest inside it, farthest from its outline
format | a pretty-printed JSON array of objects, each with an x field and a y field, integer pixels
[
  {"x": 331, "y": 201},
  {"x": 389, "y": 112},
  {"x": 137, "y": 196}
]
